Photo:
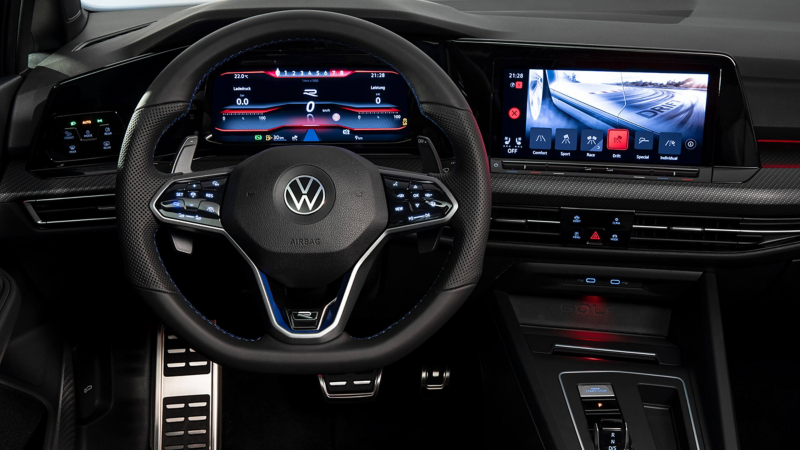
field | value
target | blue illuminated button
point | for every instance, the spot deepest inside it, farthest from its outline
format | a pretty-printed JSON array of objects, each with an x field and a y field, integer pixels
[
  {"x": 541, "y": 138},
  {"x": 595, "y": 390},
  {"x": 591, "y": 280},
  {"x": 208, "y": 209},
  {"x": 614, "y": 237},
  {"x": 208, "y": 195},
  {"x": 592, "y": 140},
  {"x": 615, "y": 282},
  {"x": 566, "y": 139},
  {"x": 643, "y": 140},
  {"x": 172, "y": 205},
  {"x": 576, "y": 235},
  {"x": 191, "y": 203},
  {"x": 670, "y": 143},
  {"x": 576, "y": 218}
]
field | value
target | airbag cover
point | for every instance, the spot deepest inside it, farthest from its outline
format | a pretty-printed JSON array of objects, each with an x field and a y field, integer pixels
[{"x": 308, "y": 241}]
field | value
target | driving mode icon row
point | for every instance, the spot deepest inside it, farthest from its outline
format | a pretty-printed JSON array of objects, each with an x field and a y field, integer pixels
[{"x": 566, "y": 139}]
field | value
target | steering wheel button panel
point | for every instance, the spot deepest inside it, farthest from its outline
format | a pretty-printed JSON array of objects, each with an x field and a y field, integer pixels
[
  {"x": 427, "y": 202},
  {"x": 193, "y": 206}
]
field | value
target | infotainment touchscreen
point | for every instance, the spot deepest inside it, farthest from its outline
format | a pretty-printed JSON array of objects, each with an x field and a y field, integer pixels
[
  {"x": 291, "y": 104},
  {"x": 590, "y": 115}
]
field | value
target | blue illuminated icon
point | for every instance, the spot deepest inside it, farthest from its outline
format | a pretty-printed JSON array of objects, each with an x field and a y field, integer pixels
[
  {"x": 398, "y": 208},
  {"x": 193, "y": 194},
  {"x": 209, "y": 195},
  {"x": 215, "y": 183},
  {"x": 211, "y": 209},
  {"x": 428, "y": 194},
  {"x": 311, "y": 136},
  {"x": 576, "y": 219},
  {"x": 614, "y": 237},
  {"x": 179, "y": 194},
  {"x": 591, "y": 280},
  {"x": 176, "y": 204},
  {"x": 615, "y": 282},
  {"x": 577, "y": 235}
]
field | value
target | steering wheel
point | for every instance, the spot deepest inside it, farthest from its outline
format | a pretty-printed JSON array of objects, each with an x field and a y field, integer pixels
[{"x": 304, "y": 216}]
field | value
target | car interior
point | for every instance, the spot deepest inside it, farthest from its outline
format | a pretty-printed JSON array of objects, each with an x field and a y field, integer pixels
[{"x": 351, "y": 224}]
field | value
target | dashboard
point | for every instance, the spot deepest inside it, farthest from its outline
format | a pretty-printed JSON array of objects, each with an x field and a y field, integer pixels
[{"x": 618, "y": 127}]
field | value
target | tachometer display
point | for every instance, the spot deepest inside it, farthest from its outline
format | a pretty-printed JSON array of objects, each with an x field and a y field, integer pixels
[{"x": 301, "y": 105}]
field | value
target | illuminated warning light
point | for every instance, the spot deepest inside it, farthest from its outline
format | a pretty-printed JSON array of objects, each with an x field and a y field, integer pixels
[
  {"x": 595, "y": 236},
  {"x": 518, "y": 85},
  {"x": 73, "y": 123},
  {"x": 86, "y": 122}
]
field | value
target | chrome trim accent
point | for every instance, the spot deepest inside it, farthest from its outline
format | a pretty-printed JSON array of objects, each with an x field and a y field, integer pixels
[
  {"x": 554, "y": 222},
  {"x": 374, "y": 392},
  {"x": 698, "y": 230},
  {"x": 38, "y": 220},
  {"x": 435, "y": 387},
  {"x": 353, "y": 273},
  {"x": 605, "y": 350},
  {"x": 572, "y": 416},
  {"x": 205, "y": 384},
  {"x": 650, "y": 227}
]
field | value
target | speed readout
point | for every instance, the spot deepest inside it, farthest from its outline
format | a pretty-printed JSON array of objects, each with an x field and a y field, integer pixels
[{"x": 318, "y": 105}]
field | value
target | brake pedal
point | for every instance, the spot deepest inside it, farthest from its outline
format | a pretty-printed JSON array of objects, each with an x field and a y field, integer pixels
[
  {"x": 345, "y": 386},
  {"x": 187, "y": 406}
]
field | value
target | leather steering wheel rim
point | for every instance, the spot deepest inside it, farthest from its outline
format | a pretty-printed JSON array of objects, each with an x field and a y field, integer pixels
[{"x": 169, "y": 98}]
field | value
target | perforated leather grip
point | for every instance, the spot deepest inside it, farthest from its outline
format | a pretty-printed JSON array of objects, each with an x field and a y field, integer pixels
[{"x": 170, "y": 96}]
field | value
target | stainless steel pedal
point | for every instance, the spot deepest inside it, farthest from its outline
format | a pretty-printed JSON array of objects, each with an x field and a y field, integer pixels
[
  {"x": 351, "y": 385},
  {"x": 187, "y": 406}
]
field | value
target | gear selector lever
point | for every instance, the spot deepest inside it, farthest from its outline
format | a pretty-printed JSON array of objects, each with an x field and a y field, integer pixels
[{"x": 610, "y": 432}]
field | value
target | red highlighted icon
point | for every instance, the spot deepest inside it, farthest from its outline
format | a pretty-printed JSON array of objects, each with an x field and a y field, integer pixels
[
  {"x": 514, "y": 113},
  {"x": 595, "y": 236},
  {"x": 617, "y": 139},
  {"x": 518, "y": 85}
]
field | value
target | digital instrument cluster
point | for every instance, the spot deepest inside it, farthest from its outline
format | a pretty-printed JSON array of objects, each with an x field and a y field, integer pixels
[
  {"x": 604, "y": 115},
  {"x": 291, "y": 105}
]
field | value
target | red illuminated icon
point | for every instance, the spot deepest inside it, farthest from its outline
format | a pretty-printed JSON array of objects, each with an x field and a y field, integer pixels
[
  {"x": 617, "y": 139},
  {"x": 595, "y": 236},
  {"x": 513, "y": 113},
  {"x": 518, "y": 85}
]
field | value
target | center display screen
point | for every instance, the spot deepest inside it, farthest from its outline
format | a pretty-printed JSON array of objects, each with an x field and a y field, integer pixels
[
  {"x": 309, "y": 105},
  {"x": 583, "y": 115}
]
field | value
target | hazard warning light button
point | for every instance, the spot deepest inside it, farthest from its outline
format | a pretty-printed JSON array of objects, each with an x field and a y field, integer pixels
[{"x": 595, "y": 236}]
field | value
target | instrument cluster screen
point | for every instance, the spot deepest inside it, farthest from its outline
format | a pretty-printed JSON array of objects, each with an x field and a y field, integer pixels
[
  {"x": 582, "y": 115},
  {"x": 287, "y": 105}
]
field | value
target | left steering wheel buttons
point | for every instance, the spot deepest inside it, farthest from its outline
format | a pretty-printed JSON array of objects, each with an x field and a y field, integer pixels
[{"x": 173, "y": 205}]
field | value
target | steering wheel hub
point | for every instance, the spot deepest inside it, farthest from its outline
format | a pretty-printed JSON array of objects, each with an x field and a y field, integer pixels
[{"x": 305, "y": 214}]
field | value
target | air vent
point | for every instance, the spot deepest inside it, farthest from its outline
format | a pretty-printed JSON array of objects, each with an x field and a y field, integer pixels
[
  {"x": 527, "y": 225},
  {"x": 72, "y": 210},
  {"x": 681, "y": 232}
]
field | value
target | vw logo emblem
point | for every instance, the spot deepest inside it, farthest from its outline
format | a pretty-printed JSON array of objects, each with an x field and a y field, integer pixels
[{"x": 304, "y": 195}]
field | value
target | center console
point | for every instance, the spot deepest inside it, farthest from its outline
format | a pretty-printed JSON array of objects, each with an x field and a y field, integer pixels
[{"x": 616, "y": 358}]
